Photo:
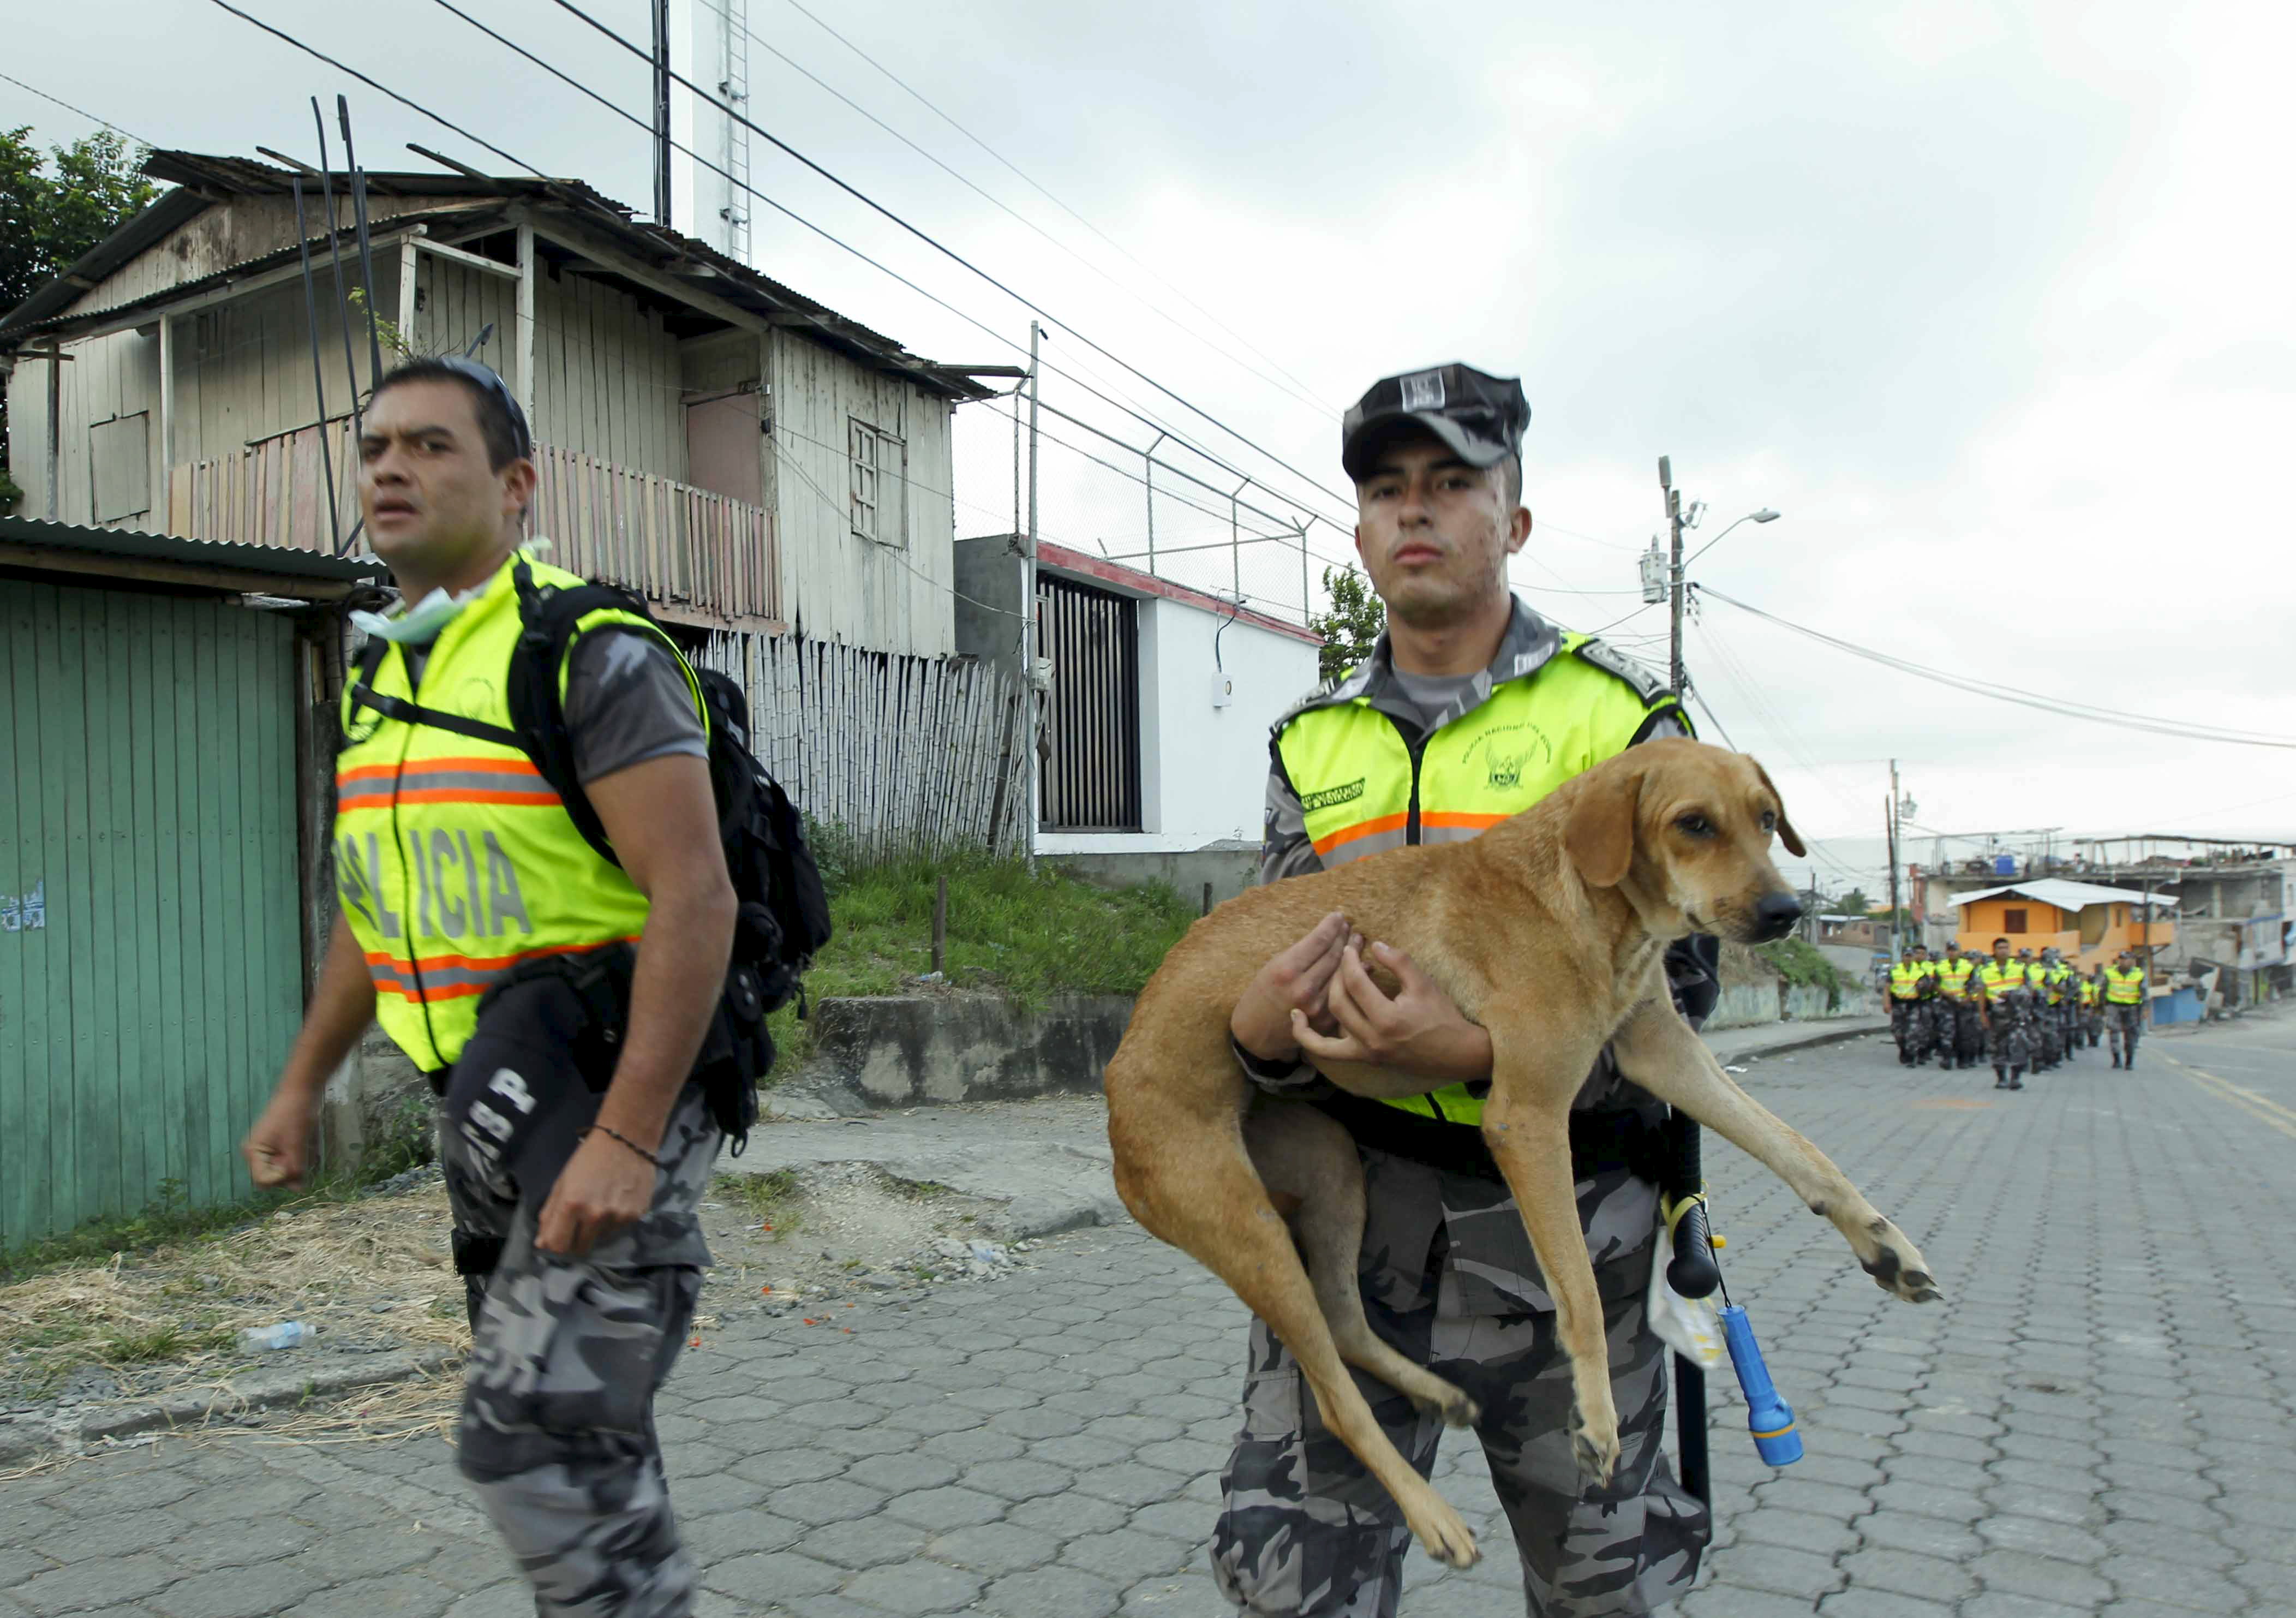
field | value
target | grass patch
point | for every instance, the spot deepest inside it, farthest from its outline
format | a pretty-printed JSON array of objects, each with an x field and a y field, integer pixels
[
  {"x": 769, "y": 1199},
  {"x": 1029, "y": 937},
  {"x": 1802, "y": 963}
]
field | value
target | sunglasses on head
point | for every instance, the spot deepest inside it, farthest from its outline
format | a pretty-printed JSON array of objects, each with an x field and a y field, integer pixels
[{"x": 487, "y": 378}]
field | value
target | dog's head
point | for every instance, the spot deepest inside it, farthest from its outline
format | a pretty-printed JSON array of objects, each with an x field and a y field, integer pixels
[{"x": 1685, "y": 829}]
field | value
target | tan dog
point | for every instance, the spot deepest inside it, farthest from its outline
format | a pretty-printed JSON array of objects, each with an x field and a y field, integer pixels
[{"x": 1548, "y": 931}]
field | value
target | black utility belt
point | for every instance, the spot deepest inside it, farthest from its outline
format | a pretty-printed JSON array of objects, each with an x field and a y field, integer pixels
[{"x": 1601, "y": 1142}]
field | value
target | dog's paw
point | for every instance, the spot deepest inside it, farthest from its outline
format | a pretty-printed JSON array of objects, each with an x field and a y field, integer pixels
[
  {"x": 1897, "y": 1266},
  {"x": 1596, "y": 1447},
  {"x": 1443, "y": 1533},
  {"x": 1455, "y": 1408}
]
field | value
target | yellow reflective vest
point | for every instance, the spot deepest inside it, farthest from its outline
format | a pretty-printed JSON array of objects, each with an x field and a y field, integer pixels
[
  {"x": 2000, "y": 977},
  {"x": 1953, "y": 977},
  {"x": 1905, "y": 979},
  {"x": 1363, "y": 789},
  {"x": 454, "y": 859},
  {"x": 2088, "y": 991},
  {"x": 2124, "y": 987}
]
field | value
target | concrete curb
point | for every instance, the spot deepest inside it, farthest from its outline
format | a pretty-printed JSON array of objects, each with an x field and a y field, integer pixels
[
  {"x": 30, "y": 1438},
  {"x": 1805, "y": 1038}
]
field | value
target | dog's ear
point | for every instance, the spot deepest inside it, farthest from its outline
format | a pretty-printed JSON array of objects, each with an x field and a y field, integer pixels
[
  {"x": 1600, "y": 834},
  {"x": 1786, "y": 833}
]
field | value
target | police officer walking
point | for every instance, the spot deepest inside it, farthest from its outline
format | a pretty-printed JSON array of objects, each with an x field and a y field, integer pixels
[
  {"x": 1960, "y": 1033},
  {"x": 2000, "y": 989},
  {"x": 576, "y": 1155},
  {"x": 1913, "y": 985},
  {"x": 2092, "y": 1007},
  {"x": 2040, "y": 1026},
  {"x": 1469, "y": 708},
  {"x": 2124, "y": 1008}
]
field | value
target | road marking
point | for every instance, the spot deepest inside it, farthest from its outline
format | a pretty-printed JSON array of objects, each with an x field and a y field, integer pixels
[{"x": 2265, "y": 1111}]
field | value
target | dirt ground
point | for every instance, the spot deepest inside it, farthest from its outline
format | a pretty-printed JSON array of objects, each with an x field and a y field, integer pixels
[{"x": 373, "y": 1276}]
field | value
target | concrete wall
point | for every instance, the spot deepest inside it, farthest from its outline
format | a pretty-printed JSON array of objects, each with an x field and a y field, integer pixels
[
  {"x": 906, "y": 1050},
  {"x": 988, "y": 582},
  {"x": 1230, "y": 868}
]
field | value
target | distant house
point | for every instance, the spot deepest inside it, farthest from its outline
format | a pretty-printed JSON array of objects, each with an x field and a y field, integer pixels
[
  {"x": 1851, "y": 930},
  {"x": 2089, "y": 924},
  {"x": 1156, "y": 711},
  {"x": 742, "y": 456}
]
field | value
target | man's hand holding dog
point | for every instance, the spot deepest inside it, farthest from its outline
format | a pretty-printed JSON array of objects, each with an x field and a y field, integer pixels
[
  {"x": 1417, "y": 1029},
  {"x": 1318, "y": 998}
]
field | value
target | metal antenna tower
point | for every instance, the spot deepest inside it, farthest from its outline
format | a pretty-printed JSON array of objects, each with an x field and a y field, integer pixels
[{"x": 734, "y": 17}]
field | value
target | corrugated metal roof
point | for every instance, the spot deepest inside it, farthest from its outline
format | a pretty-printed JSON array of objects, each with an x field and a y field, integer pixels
[
  {"x": 273, "y": 560},
  {"x": 204, "y": 179},
  {"x": 2068, "y": 895}
]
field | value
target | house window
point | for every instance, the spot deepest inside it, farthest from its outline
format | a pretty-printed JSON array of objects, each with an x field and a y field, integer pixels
[
  {"x": 878, "y": 502},
  {"x": 119, "y": 467},
  {"x": 2013, "y": 921}
]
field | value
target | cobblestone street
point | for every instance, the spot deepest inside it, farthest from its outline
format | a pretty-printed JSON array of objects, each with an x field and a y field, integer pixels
[{"x": 2101, "y": 1419}]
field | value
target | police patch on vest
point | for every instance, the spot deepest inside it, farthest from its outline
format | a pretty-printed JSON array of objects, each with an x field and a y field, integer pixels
[
  {"x": 1507, "y": 750},
  {"x": 1332, "y": 797}
]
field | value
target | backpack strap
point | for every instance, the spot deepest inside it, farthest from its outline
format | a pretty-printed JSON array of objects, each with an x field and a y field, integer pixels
[
  {"x": 550, "y": 614},
  {"x": 365, "y": 695}
]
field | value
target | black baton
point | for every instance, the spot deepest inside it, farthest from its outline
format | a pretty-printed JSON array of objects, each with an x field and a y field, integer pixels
[{"x": 1691, "y": 1272}]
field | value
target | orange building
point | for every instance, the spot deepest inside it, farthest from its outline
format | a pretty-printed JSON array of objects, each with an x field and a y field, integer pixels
[{"x": 2086, "y": 925}]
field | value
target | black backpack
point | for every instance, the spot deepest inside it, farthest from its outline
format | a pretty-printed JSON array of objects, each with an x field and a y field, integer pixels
[{"x": 783, "y": 916}]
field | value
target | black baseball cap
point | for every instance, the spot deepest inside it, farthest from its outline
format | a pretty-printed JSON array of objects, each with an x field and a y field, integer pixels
[{"x": 1479, "y": 416}]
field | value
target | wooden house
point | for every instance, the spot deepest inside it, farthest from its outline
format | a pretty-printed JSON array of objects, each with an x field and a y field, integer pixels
[{"x": 746, "y": 458}]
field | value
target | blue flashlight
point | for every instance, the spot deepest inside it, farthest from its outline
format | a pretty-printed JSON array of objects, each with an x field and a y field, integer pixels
[{"x": 1768, "y": 1416}]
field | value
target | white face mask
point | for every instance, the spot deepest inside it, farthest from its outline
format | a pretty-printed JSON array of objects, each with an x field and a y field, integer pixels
[{"x": 419, "y": 624}]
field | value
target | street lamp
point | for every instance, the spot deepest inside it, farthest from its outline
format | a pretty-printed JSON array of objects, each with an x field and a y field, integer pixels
[{"x": 1764, "y": 515}]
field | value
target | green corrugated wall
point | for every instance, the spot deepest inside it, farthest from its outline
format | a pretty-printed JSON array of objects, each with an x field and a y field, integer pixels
[{"x": 151, "y": 965}]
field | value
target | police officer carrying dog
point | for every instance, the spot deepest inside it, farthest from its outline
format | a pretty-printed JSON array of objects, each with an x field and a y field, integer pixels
[
  {"x": 1999, "y": 987},
  {"x": 1469, "y": 708},
  {"x": 576, "y": 1155}
]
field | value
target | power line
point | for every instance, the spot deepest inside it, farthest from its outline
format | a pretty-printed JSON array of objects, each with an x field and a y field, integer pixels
[
  {"x": 858, "y": 194},
  {"x": 967, "y": 181},
  {"x": 371, "y": 84},
  {"x": 84, "y": 112},
  {"x": 2057, "y": 705},
  {"x": 1047, "y": 195},
  {"x": 938, "y": 301}
]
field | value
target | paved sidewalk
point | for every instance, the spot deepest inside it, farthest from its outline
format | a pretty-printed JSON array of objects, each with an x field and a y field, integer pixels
[{"x": 2101, "y": 1419}]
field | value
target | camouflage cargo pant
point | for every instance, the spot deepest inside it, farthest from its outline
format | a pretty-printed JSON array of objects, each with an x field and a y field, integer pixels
[
  {"x": 2124, "y": 1025},
  {"x": 2048, "y": 1034},
  {"x": 2011, "y": 1041},
  {"x": 1910, "y": 1026},
  {"x": 1448, "y": 1278},
  {"x": 1962, "y": 1030},
  {"x": 566, "y": 1355}
]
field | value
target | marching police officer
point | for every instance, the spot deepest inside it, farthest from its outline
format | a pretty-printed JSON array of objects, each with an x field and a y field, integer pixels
[
  {"x": 1913, "y": 985},
  {"x": 2000, "y": 989},
  {"x": 459, "y": 867},
  {"x": 1959, "y": 1030},
  {"x": 1471, "y": 707},
  {"x": 2039, "y": 1026},
  {"x": 2124, "y": 1008},
  {"x": 2092, "y": 1007}
]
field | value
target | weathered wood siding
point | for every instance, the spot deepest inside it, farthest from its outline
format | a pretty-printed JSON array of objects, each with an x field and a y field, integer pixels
[
  {"x": 836, "y": 586},
  {"x": 606, "y": 376},
  {"x": 151, "y": 955},
  {"x": 909, "y": 756},
  {"x": 455, "y": 303},
  {"x": 243, "y": 368},
  {"x": 105, "y": 378},
  {"x": 240, "y": 230}
]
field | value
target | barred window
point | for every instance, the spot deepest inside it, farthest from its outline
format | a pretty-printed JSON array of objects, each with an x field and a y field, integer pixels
[{"x": 878, "y": 503}]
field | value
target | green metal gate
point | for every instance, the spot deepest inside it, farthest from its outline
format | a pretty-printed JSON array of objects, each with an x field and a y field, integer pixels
[{"x": 151, "y": 961}]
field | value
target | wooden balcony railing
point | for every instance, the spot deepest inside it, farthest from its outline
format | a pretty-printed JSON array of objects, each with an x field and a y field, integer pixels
[{"x": 668, "y": 541}]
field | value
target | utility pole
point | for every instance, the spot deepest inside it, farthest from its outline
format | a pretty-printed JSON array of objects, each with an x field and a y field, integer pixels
[
  {"x": 1673, "y": 573},
  {"x": 660, "y": 9},
  {"x": 1028, "y": 649},
  {"x": 1896, "y": 944}
]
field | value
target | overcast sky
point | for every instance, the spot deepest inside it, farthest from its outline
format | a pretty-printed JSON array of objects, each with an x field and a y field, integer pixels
[{"x": 1991, "y": 301}]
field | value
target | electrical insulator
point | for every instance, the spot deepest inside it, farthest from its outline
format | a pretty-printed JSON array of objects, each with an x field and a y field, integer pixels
[{"x": 1654, "y": 564}]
